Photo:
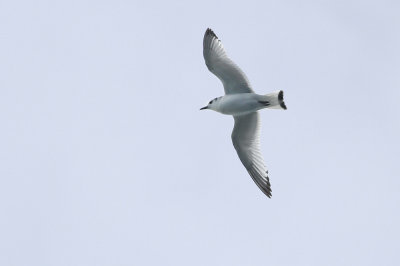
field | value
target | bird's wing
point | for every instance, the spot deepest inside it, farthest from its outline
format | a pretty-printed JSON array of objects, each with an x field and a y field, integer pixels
[
  {"x": 246, "y": 140},
  {"x": 217, "y": 61}
]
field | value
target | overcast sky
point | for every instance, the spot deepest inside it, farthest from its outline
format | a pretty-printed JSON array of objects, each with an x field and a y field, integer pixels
[{"x": 105, "y": 158}]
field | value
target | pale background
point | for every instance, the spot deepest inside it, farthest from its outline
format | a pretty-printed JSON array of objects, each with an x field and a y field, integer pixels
[{"x": 105, "y": 158}]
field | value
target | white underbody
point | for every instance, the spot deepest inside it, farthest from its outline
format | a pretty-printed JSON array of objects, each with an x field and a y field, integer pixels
[{"x": 242, "y": 103}]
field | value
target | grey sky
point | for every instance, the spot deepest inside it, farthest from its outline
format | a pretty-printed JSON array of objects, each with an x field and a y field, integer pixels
[{"x": 107, "y": 160}]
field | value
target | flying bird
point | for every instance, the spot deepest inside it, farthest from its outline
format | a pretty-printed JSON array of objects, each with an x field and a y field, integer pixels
[{"x": 243, "y": 104}]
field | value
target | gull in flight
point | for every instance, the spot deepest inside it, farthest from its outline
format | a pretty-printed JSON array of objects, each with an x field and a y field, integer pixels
[{"x": 243, "y": 104}]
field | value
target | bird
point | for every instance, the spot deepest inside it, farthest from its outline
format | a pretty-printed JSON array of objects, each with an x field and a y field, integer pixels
[{"x": 243, "y": 104}]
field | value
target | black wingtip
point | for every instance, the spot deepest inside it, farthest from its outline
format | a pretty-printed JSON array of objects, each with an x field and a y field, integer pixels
[
  {"x": 268, "y": 191},
  {"x": 210, "y": 32},
  {"x": 263, "y": 184}
]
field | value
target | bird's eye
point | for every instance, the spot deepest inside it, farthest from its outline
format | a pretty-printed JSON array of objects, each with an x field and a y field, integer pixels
[{"x": 210, "y": 102}]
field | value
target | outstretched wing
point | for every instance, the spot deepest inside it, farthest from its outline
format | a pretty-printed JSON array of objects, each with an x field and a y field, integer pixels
[
  {"x": 232, "y": 77},
  {"x": 246, "y": 140}
]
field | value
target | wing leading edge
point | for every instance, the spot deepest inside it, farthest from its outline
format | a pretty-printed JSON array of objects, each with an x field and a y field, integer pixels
[{"x": 217, "y": 61}]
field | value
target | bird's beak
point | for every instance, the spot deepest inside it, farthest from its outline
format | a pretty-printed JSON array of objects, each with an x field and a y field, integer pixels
[{"x": 205, "y": 107}]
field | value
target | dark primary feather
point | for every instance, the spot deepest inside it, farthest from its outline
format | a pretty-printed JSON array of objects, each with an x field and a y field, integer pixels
[
  {"x": 217, "y": 61},
  {"x": 245, "y": 138}
]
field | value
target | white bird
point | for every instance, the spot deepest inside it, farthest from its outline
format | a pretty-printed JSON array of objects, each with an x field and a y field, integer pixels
[{"x": 243, "y": 104}]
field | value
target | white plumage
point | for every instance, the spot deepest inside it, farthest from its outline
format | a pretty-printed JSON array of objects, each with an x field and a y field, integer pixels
[{"x": 241, "y": 102}]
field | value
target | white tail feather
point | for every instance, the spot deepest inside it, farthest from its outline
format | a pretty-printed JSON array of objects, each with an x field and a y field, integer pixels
[{"x": 274, "y": 100}]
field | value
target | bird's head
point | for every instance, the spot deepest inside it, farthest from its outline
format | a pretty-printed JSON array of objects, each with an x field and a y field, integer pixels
[{"x": 212, "y": 105}]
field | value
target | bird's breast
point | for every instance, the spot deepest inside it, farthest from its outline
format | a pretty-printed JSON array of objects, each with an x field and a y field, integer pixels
[{"x": 238, "y": 104}]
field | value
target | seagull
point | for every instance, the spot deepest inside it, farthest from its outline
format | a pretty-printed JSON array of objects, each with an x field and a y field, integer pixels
[{"x": 243, "y": 104}]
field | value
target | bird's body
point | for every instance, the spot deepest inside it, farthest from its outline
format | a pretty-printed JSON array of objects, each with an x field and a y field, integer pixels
[{"x": 243, "y": 104}]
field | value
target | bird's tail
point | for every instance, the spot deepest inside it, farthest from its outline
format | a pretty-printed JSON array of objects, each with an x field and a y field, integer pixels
[{"x": 273, "y": 100}]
